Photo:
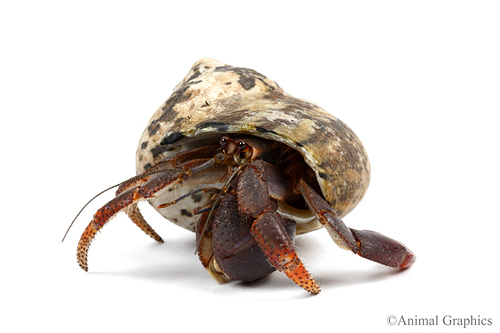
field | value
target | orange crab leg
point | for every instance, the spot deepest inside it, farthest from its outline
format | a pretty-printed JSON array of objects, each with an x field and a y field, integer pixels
[
  {"x": 135, "y": 215},
  {"x": 133, "y": 211},
  {"x": 101, "y": 217},
  {"x": 127, "y": 200},
  {"x": 270, "y": 234}
]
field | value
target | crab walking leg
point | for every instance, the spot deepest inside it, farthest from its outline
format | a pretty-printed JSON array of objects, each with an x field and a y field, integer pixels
[
  {"x": 382, "y": 249},
  {"x": 270, "y": 234},
  {"x": 126, "y": 200},
  {"x": 367, "y": 244},
  {"x": 340, "y": 233},
  {"x": 135, "y": 215},
  {"x": 204, "y": 241},
  {"x": 214, "y": 190},
  {"x": 101, "y": 217},
  {"x": 133, "y": 211}
]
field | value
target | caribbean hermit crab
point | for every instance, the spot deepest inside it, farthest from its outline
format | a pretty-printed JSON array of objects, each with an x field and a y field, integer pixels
[{"x": 246, "y": 166}]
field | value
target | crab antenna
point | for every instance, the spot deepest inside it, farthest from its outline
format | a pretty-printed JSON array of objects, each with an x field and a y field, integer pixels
[{"x": 145, "y": 174}]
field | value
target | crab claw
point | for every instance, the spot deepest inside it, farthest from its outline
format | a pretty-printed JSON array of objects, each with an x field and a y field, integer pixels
[{"x": 270, "y": 234}]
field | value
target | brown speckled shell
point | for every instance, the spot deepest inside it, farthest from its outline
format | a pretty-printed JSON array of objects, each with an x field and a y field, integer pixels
[{"x": 215, "y": 98}]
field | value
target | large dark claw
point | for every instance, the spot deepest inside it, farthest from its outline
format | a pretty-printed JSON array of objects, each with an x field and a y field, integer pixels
[
  {"x": 233, "y": 244},
  {"x": 258, "y": 185}
]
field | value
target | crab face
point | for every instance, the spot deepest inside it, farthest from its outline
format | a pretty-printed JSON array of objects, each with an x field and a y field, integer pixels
[{"x": 247, "y": 167}]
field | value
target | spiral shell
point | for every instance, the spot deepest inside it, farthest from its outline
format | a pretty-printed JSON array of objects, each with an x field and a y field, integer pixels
[{"x": 215, "y": 98}]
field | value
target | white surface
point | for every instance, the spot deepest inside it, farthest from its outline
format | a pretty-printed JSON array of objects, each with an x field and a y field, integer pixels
[{"x": 419, "y": 84}]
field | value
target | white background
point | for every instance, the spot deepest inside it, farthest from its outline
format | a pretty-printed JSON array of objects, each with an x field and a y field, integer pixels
[{"x": 418, "y": 82}]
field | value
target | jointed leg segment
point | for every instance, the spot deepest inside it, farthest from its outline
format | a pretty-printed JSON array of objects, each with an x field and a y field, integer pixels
[
  {"x": 100, "y": 218},
  {"x": 127, "y": 198},
  {"x": 367, "y": 244}
]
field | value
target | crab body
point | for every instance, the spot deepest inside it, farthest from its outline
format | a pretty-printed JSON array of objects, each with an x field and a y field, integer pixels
[{"x": 246, "y": 166}]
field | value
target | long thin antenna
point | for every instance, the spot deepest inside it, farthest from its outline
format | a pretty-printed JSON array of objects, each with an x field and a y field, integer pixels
[{"x": 146, "y": 174}]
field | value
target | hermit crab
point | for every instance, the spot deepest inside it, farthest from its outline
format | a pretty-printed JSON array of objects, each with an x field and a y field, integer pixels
[{"x": 247, "y": 167}]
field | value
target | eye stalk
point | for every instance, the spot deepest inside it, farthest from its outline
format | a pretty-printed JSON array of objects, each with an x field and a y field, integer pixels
[
  {"x": 229, "y": 146},
  {"x": 244, "y": 152}
]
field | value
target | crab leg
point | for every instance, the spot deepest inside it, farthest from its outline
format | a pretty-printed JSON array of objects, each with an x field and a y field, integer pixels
[
  {"x": 101, "y": 217},
  {"x": 214, "y": 190},
  {"x": 271, "y": 236},
  {"x": 367, "y": 244},
  {"x": 127, "y": 201},
  {"x": 382, "y": 249},
  {"x": 135, "y": 215},
  {"x": 133, "y": 211}
]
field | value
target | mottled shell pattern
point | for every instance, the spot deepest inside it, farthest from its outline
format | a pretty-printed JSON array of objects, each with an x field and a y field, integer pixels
[{"x": 215, "y": 99}]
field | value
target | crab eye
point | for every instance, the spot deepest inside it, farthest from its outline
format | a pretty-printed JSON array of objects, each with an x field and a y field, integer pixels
[
  {"x": 244, "y": 150},
  {"x": 223, "y": 141},
  {"x": 242, "y": 145}
]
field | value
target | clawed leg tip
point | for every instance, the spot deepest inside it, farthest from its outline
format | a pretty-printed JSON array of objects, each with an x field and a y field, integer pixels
[
  {"x": 83, "y": 266},
  {"x": 314, "y": 292},
  {"x": 409, "y": 260}
]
